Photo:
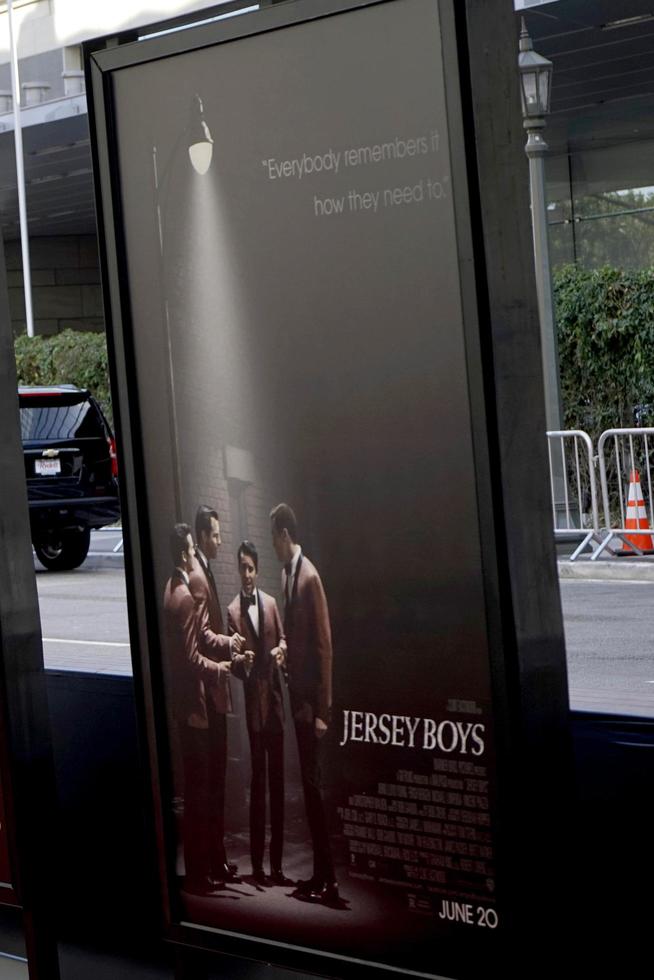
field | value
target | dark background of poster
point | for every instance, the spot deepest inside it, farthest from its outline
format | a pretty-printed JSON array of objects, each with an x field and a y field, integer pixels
[
  {"x": 316, "y": 359},
  {"x": 5, "y": 868}
]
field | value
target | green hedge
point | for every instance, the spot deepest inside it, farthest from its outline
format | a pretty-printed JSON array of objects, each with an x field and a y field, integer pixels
[
  {"x": 605, "y": 320},
  {"x": 70, "y": 357}
]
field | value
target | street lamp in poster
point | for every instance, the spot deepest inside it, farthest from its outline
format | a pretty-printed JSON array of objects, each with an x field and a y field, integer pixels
[{"x": 311, "y": 498}]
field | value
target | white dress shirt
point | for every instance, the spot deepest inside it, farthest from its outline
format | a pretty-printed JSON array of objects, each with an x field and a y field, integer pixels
[
  {"x": 290, "y": 578},
  {"x": 253, "y": 610}
]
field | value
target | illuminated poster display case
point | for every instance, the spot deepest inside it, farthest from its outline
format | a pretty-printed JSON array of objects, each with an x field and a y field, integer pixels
[{"x": 333, "y": 687}]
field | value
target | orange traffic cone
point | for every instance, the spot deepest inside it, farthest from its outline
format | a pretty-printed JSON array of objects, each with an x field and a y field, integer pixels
[{"x": 636, "y": 517}]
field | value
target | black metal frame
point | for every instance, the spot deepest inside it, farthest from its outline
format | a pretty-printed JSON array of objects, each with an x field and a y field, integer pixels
[
  {"x": 523, "y": 639},
  {"x": 26, "y": 767}
]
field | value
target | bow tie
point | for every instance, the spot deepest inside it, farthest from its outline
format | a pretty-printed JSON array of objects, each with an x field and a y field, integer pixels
[
  {"x": 248, "y": 600},
  {"x": 288, "y": 567}
]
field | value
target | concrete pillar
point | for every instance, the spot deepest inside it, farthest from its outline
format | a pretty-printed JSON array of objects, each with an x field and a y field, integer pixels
[
  {"x": 73, "y": 81},
  {"x": 34, "y": 93}
]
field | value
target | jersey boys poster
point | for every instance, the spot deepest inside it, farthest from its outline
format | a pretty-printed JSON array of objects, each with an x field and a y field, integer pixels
[{"x": 295, "y": 296}]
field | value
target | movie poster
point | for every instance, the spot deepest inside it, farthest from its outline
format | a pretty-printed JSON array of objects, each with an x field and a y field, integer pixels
[{"x": 296, "y": 313}]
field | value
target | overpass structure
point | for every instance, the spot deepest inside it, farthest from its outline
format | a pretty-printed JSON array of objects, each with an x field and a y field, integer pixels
[
  {"x": 600, "y": 134},
  {"x": 58, "y": 175}
]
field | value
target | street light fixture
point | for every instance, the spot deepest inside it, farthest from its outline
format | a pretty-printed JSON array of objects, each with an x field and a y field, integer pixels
[
  {"x": 535, "y": 90},
  {"x": 535, "y": 81},
  {"x": 200, "y": 148}
]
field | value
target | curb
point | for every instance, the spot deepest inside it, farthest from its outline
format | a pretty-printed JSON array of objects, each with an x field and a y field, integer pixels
[{"x": 625, "y": 570}]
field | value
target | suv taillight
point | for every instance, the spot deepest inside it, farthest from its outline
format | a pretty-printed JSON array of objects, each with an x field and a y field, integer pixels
[{"x": 112, "y": 455}]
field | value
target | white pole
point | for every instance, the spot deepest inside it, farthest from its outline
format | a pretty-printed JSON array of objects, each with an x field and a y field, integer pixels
[{"x": 20, "y": 175}]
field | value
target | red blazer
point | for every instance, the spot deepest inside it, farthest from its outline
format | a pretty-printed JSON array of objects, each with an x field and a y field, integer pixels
[
  {"x": 264, "y": 702},
  {"x": 309, "y": 641},
  {"x": 214, "y": 644},
  {"x": 192, "y": 677}
]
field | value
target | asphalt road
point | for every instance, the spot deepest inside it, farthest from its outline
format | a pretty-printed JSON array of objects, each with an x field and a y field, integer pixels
[
  {"x": 609, "y": 630},
  {"x": 84, "y": 612}
]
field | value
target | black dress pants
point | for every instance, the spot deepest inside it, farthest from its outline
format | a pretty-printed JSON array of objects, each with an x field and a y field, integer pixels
[
  {"x": 310, "y": 752},
  {"x": 267, "y": 751},
  {"x": 204, "y": 754}
]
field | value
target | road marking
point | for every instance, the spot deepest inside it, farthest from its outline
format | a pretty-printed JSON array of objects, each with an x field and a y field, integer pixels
[
  {"x": 11, "y": 956},
  {"x": 87, "y": 643}
]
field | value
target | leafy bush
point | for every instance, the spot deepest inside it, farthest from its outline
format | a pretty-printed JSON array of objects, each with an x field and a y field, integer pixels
[
  {"x": 70, "y": 357},
  {"x": 605, "y": 320}
]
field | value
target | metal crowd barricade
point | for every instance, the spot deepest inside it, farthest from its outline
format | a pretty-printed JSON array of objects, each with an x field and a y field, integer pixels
[
  {"x": 113, "y": 530},
  {"x": 620, "y": 452},
  {"x": 573, "y": 489}
]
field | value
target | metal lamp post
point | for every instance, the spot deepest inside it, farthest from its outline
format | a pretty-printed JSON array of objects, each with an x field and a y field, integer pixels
[
  {"x": 200, "y": 150},
  {"x": 535, "y": 90}
]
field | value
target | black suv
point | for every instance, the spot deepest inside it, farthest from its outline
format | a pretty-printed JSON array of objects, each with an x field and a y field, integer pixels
[{"x": 71, "y": 471}]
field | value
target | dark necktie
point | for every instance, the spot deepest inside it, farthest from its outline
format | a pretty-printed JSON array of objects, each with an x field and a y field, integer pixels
[
  {"x": 210, "y": 578},
  {"x": 287, "y": 591}
]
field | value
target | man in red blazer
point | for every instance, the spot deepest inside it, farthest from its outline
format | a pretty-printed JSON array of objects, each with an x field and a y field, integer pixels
[
  {"x": 309, "y": 666},
  {"x": 195, "y": 694},
  {"x": 254, "y": 615},
  {"x": 217, "y": 646}
]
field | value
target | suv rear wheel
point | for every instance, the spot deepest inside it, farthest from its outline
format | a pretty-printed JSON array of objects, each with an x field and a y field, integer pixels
[{"x": 60, "y": 551}]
